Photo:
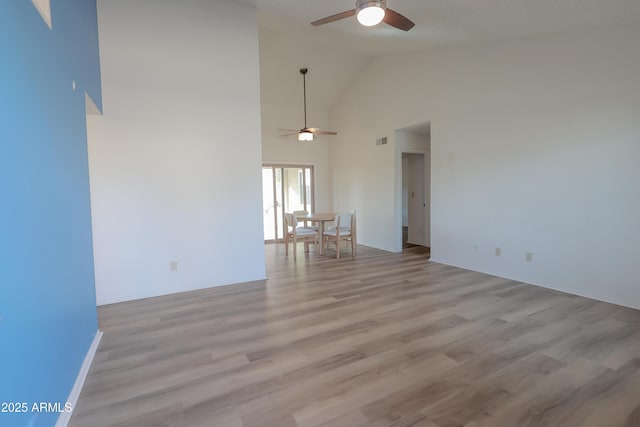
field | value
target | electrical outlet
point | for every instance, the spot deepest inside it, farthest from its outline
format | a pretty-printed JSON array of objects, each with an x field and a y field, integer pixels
[
  {"x": 528, "y": 256},
  {"x": 173, "y": 265},
  {"x": 475, "y": 248},
  {"x": 498, "y": 251}
]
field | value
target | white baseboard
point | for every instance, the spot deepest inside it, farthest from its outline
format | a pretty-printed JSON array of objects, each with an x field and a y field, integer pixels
[
  {"x": 65, "y": 417},
  {"x": 629, "y": 303}
]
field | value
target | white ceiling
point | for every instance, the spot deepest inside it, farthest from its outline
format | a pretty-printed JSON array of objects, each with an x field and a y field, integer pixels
[{"x": 335, "y": 52}]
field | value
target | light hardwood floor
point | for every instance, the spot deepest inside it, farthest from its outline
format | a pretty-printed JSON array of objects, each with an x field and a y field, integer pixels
[{"x": 377, "y": 340}]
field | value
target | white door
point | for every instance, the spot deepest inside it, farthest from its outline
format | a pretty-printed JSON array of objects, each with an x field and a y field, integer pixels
[{"x": 417, "y": 204}]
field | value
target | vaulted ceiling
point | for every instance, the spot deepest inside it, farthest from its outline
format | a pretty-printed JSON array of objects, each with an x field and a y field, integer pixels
[{"x": 336, "y": 52}]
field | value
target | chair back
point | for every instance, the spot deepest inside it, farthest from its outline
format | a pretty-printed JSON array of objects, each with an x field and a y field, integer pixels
[
  {"x": 344, "y": 221},
  {"x": 291, "y": 220},
  {"x": 301, "y": 213}
]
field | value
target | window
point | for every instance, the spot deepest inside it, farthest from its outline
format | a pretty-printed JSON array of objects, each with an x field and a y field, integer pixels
[{"x": 284, "y": 189}]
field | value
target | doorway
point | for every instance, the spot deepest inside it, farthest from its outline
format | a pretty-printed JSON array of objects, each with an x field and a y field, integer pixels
[
  {"x": 413, "y": 187},
  {"x": 285, "y": 188},
  {"x": 414, "y": 203}
]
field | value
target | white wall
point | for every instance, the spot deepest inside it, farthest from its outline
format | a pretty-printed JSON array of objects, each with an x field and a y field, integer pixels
[
  {"x": 330, "y": 70},
  {"x": 362, "y": 173},
  {"x": 175, "y": 160},
  {"x": 534, "y": 148}
]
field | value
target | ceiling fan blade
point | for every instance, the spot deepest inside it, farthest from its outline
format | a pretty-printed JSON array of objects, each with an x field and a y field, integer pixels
[
  {"x": 288, "y": 130},
  {"x": 332, "y": 18},
  {"x": 289, "y": 134},
  {"x": 323, "y": 132},
  {"x": 398, "y": 21}
]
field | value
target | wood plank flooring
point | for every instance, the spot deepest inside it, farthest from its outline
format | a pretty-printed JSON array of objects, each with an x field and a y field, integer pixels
[{"x": 377, "y": 340}]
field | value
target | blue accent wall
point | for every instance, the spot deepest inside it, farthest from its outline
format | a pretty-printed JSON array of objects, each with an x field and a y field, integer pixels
[{"x": 47, "y": 293}]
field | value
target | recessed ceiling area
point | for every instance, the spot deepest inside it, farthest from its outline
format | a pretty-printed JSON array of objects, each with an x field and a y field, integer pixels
[
  {"x": 336, "y": 52},
  {"x": 331, "y": 70},
  {"x": 443, "y": 22}
]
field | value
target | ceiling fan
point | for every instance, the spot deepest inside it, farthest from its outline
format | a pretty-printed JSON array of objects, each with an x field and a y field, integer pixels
[
  {"x": 306, "y": 133},
  {"x": 370, "y": 13}
]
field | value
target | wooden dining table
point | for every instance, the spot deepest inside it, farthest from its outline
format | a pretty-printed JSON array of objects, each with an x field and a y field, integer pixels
[{"x": 320, "y": 218}]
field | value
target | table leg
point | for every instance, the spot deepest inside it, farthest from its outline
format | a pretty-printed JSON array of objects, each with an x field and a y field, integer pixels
[{"x": 321, "y": 236}]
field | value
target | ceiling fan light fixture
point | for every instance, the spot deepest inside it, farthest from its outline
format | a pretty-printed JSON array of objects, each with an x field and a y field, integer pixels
[
  {"x": 305, "y": 136},
  {"x": 370, "y": 13}
]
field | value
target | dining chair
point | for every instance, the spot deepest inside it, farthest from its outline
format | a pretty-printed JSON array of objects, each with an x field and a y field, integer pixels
[
  {"x": 344, "y": 229},
  {"x": 297, "y": 234}
]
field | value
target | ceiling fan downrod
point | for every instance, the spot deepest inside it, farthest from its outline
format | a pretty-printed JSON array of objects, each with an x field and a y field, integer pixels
[
  {"x": 307, "y": 134},
  {"x": 304, "y": 72}
]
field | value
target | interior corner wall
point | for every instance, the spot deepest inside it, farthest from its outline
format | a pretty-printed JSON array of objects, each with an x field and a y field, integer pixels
[
  {"x": 175, "y": 160},
  {"x": 47, "y": 294},
  {"x": 534, "y": 147},
  {"x": 288, "y": 150}
]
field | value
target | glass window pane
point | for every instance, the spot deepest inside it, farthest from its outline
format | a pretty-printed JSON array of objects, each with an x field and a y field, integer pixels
[
  {"x": 279, "y": 203},
  {"x": 293, "y": 192},
  {"x": 268, "y": 210},
  {"x": 308, "y": 189}
]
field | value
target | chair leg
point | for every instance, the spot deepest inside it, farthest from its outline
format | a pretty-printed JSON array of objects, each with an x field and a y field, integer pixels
[
  {"x": 355, "y": 242},
  {"x": 286, "y": 246},
  {"x": 353, "y": 247},
  {"x": 337, "y": 249},
  {"x": 295, "y": 248}
]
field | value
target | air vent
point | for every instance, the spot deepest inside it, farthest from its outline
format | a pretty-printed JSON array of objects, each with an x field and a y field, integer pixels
[{"x": 381, "y": 141}]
